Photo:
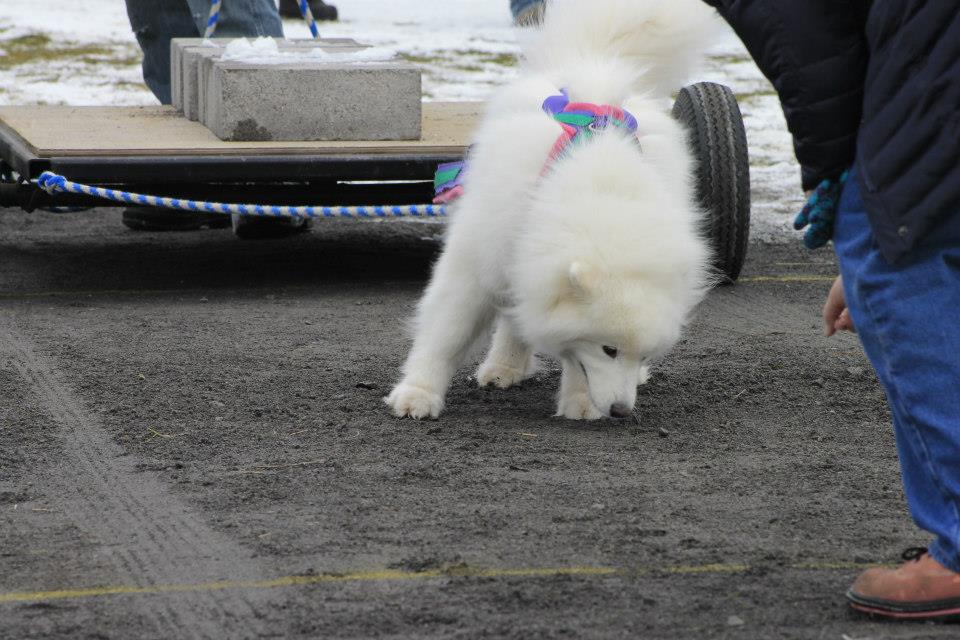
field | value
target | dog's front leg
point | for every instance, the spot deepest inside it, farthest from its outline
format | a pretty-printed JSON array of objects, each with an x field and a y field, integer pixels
[
  {"x": 509, "y": 361},
  {"x": 453, "y": 312},
  {"x": 574, "y": 400}
]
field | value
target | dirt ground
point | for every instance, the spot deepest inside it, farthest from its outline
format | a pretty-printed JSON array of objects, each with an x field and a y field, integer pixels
[{"x": 193, "y": 445}]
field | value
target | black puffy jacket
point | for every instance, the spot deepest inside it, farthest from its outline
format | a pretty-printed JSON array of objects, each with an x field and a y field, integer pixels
[{"x": 875, "y": 80}]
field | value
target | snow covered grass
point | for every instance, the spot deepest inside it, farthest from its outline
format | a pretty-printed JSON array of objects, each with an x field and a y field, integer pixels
[{"x": 82, "y": 52}]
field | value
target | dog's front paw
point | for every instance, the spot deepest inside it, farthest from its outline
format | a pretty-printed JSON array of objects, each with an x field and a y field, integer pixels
[
  {"x": 409, "y": 401},
  {"x": 500, "y": 375},
  {"x": 578, "y": 406}
]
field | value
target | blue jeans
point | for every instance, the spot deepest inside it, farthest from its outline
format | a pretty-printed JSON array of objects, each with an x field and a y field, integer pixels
[
  {"x": 908, "y": 318},
  {"x": 155, "y": 22}
]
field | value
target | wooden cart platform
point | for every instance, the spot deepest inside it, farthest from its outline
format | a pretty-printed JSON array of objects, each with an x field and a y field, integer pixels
[{"x": 156, "y": 146}]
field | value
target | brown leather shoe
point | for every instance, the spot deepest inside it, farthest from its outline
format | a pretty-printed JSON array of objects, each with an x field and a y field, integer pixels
[{"x": 919, "y": 589}]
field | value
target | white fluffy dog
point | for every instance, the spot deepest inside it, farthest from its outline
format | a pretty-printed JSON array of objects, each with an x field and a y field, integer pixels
[{"x": 598, "y": 260}]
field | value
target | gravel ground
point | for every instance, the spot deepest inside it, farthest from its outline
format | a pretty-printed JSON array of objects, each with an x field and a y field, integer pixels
[{"x": 192, "y": 444}]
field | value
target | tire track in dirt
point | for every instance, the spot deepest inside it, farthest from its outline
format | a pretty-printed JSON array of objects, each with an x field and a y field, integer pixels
[{"x": 151, "y": 536}]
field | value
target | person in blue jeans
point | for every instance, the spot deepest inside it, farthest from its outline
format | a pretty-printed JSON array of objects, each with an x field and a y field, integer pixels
[
  {"x": 155, "y": 23},
  {"x": 871, "y": 94}
]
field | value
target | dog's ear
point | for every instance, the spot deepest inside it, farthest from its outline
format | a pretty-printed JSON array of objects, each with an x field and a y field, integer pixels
[{"x": 584, "y": 278}]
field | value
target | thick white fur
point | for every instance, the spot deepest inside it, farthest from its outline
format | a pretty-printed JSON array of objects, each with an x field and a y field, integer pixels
[{"x": 603, "y": 250}]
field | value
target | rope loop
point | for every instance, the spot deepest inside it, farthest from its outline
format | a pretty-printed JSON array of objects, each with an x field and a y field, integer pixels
[
  {"x": 308, "y": 16},
  {"x": 52, "y": 183},
  {"x": 213, "y": 19}
]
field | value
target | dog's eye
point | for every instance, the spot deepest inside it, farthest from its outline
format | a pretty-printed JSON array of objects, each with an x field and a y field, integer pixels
[{"x": 610, "y": 351}]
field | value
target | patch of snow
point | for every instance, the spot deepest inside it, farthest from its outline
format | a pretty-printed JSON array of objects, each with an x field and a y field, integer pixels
[{"x": 267, "y": 51}]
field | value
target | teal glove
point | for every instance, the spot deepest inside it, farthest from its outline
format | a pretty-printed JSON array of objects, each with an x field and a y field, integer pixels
[{"x": 820, "y": 212}]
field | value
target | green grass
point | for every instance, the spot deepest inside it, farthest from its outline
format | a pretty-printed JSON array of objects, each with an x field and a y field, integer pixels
[
  {"x": 463, "y": 59},
  {"x": 740, "y": 59},
  {"x": 750, "y": 95},
  {"x": 418, "y": 59},
  {"x": 487, "y": 57},
  {"x": 40, "y": 48}
]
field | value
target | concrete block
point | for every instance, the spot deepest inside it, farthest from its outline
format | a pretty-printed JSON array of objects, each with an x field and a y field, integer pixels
[
  {"x": 186, "y": 53},
  {"x": 177, "y": 46},
  {"x": 314, "y": 101},
  {"x": 192, "y": 64},
  {"x": 206, "y": 61}
]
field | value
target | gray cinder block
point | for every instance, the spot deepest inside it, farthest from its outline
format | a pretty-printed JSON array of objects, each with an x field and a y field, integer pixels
[
  {"x": 193, "y": 64},
  {"x": 198, "y": 109},
  {"x": 314, "y": 101},
  {"x": 186, "y": 54},
  {"x": 177, "y": 48}
]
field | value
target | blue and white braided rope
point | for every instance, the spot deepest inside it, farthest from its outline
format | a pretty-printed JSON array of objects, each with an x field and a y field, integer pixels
[
  {"x": 308, "y": 16},
  {"x": 214, "y": 18},
  {"x": 53, "y": 184}
]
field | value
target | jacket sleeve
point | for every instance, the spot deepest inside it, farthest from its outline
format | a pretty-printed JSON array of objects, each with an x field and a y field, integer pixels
[{"x": 814, "y": 52}]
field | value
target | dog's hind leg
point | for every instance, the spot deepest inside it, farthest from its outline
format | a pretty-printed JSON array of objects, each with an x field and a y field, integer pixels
[
  {"x": 453, "y": 313},
  {"x": 574, "y": 400},
  {"x": 509, "y": 361}
]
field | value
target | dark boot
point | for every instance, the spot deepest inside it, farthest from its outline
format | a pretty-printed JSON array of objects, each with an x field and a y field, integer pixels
[
  {"x": 258, "y": 227},
  {"x": 320, "y": 9},
  {"x": 155, "y": 219}
]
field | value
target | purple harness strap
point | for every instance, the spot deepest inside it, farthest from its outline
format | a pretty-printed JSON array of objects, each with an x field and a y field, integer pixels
[{"x": 580, "y": 121}]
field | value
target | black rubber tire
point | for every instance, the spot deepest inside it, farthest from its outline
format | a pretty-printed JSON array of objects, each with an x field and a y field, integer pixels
[{"x": 719, "y": 145}]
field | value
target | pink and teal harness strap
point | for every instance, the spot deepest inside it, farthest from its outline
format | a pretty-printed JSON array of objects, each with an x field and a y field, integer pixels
[
  {"x": 214, "y": 19},
  {"x": 578, "y": 121},
  {"x": 448, "y": 182},
  {"x": 581, "y": 120}
]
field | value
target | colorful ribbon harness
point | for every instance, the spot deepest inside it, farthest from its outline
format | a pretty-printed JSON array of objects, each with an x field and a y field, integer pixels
[{"x": 580, "y": 121}]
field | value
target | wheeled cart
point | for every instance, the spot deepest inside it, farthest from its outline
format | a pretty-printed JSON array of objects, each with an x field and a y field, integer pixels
[{"x": 153, "y": 150}]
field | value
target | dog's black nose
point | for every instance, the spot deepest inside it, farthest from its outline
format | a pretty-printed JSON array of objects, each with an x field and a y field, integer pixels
[{"x": 619, "y": 410}]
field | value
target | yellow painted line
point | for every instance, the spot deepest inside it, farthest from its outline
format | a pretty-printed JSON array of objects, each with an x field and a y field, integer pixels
[
  {"x": 838, "y": 566},
  {"x": 706, "y": 568},
  {"x": 288, "y": 581},
  {"x": 391, "y": 575}
]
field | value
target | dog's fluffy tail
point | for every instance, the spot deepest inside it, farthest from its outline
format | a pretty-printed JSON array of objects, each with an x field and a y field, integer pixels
[{"x": 608, "y": 49}]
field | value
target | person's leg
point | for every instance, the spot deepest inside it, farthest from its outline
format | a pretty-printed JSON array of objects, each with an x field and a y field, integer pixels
[
  {"x": 155, "y": 23},
  {"x": 239, "y": 18},
  {"x": 905, "y": 317}
]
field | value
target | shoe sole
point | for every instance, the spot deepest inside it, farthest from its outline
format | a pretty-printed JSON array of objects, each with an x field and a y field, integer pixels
[
  {"x": 939, "y": 611},
  {"x": 268, "y": 229}
]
